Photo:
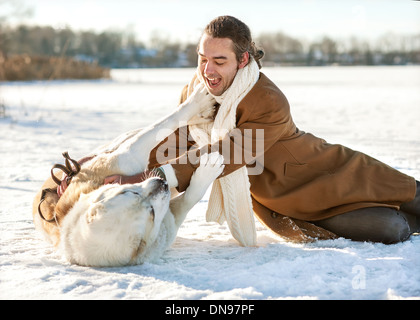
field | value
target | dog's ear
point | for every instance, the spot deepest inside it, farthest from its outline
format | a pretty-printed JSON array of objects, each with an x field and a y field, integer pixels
[{"x": 93, "y": 211}]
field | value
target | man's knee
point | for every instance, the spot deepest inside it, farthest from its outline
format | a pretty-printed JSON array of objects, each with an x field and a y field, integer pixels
[{"x": 396, "y": 230}]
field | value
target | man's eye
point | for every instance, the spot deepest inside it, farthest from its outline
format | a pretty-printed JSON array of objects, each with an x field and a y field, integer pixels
[{"x": 220, "y": 63}]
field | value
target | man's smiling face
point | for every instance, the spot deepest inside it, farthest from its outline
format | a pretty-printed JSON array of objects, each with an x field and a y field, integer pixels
[{"x": 217, "y": 63}]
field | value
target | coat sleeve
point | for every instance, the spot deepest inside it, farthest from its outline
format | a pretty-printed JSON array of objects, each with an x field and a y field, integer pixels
[{"x": 263, "y": 118}]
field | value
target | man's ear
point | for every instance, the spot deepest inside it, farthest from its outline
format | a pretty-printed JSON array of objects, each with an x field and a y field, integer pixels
[{"x": 244, "y": 60}]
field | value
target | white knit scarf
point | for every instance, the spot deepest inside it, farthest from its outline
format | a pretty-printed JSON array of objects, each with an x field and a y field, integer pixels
[{"x": 230, "y": 198}]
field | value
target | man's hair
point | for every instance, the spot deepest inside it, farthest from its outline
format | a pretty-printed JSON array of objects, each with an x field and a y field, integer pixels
[{"x": 238, "y": 32}]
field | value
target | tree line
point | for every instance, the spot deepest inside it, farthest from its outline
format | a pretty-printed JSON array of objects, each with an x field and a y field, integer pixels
[{"x": 114, "y": 49}]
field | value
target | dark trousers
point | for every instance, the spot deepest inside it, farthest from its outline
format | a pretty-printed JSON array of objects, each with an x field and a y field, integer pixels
[{"x": 378, "y": 224}]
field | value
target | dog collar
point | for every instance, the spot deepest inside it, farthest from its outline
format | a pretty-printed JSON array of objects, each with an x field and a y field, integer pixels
[{"x": 69, "y": 172}]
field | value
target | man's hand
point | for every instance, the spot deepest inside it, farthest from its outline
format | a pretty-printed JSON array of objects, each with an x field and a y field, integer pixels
[
  {"x": 113, "y": 179},
  {"x": 119, "y": 179}
]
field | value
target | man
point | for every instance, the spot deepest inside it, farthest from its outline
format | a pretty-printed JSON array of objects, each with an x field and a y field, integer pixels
[{"x": 307, "y": 188}]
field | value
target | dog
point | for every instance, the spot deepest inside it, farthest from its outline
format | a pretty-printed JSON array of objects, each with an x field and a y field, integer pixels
[{"x": 115, "y": 225}]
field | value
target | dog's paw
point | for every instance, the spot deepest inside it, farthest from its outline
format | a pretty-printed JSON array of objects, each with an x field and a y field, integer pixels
[
  {"x": 201, "y": 99},
  {"x": 204, "y": 117},
  {"x": 211, "y": 166}
]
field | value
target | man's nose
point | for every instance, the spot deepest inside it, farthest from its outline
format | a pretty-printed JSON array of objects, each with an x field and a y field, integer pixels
[{"x": 209, "y": 68}]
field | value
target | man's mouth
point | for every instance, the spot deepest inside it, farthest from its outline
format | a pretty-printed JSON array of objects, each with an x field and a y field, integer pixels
[{"x": 213, "y": 82}]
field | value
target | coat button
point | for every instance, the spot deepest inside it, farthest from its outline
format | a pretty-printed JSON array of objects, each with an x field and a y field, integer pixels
[{"x": 274, "y": 215}]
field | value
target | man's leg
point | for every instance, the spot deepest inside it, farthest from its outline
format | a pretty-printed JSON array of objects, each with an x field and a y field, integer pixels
[{"x": 377, "y": 224}]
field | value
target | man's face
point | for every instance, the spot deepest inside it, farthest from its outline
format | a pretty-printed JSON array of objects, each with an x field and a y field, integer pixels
[{"x": 217, "y": 63}]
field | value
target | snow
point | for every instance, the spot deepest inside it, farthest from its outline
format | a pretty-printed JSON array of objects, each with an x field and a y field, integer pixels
[{"x": 375, "y": 110}]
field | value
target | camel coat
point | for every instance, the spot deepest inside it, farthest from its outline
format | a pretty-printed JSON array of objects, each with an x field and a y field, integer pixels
[{"x": 304, "y": 178}]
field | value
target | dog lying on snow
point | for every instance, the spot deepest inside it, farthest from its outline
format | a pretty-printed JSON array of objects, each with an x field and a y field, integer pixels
[{"x": 113, "y": 225}]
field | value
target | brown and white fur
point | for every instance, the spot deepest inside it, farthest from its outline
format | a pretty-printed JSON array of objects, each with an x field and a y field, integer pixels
[{"x": 114, "y": 225}]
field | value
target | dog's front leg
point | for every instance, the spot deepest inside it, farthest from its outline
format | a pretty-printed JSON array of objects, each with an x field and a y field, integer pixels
[
  {"x": 211, "y": 166},
  {"x": 133, "y": 154}
]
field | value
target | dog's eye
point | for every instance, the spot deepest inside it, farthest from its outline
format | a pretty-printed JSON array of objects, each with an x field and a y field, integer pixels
[
  {"x": 130, "y": 191},
  {"x": 152, "y": 213}
]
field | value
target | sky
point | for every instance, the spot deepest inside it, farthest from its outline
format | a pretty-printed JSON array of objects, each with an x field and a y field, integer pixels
[{"x": 183, "y": 20}]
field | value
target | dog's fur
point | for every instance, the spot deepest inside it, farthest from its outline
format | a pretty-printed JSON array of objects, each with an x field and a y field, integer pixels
[{"x": 114, "y": 225}]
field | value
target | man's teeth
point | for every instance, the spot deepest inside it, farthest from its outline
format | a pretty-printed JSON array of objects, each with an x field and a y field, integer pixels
[{"x": 213, "y": 80}]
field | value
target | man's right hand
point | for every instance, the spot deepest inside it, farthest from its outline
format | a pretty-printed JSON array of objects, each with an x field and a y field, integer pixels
[{"x": 119, "y": 179}]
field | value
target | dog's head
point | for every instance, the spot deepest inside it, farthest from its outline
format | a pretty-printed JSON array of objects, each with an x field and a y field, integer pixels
[{"x": 113, "y": 225}]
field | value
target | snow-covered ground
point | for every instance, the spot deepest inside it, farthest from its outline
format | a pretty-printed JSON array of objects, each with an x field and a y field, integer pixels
[{"x": 375, "y": 110}]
